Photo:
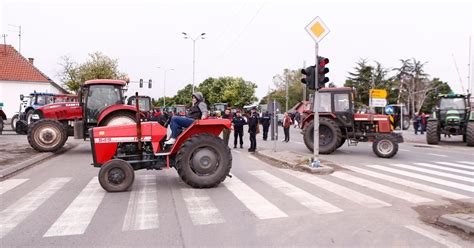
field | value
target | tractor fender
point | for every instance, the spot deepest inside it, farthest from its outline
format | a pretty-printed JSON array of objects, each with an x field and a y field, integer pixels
[
  {"x": 2, "y": 115},
  {"x": 210, "y": 126},
  {"x": 433, "y": 117},
  {"x": 113, "y": 109}
]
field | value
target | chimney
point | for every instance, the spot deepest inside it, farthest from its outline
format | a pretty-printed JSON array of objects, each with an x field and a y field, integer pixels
[{"x": 31, "y": 60}]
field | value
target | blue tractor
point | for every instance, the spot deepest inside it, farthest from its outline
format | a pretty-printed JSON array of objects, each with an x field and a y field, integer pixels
[{"x": 29, "y": 103}]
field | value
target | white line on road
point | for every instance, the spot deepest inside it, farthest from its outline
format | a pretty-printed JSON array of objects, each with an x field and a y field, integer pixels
[
  {"x": 436, "y": 173},
  {"x": 470, "y": 173},
  {"x": 433, "y": 236},
  {"x": 10, "y": 184},
  {"x": 17, "y": 212},
  {"x": 425, "y": 178},
  {"x": 76, "y": 218},
  {"x": 304, "y": 198},
  {"x": 239, "y": 152},
  {"x": 253, "y": 157},
  {"x": 419, "y": 186},
  {"x": 142, "y": 210},
  {"x": 381, "y": 188},
  {"x": 466, "y": 162},
  {"x": 439, "y": 155},
  {"x": 337, "y": 189},
  {"x": 404, "y": 150},
  {"x": 200, "y": 207},
  {"x": 456, "y": 165},
  {"x": 255, "y": 202}
]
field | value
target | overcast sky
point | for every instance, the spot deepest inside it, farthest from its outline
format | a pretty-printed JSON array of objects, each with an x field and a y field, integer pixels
[{"x": 252, "y": 39}]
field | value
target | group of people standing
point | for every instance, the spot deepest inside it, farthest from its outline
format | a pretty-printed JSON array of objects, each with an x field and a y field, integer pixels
[{"x": 419, "y": 123}]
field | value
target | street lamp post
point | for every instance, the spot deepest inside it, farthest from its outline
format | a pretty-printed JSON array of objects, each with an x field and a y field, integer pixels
[
  {"x": 164, "y": 84},
  {"x": 186, "y": 36}
]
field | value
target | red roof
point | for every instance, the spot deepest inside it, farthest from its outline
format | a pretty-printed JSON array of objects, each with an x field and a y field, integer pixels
[{"x": 15, "y": 67}]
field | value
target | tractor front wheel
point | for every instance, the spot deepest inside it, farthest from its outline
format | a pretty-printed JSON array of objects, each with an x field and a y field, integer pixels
[
  {"x": 406, "y": 124},
  {"x": 203, "y": 161},
  {"x": 15, "y": 119},
  {"x": 432, "y": 133},
  {"x": 470, "y": 134},
  {"x": 385, "y": 146},
  {"x": 47, "y": 135},
  {"x": 116, "y": 175},
  {"x": 330, "y": 136}
]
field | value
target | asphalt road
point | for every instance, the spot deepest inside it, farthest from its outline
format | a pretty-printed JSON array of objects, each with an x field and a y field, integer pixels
[{"x": 59, "y": 202}]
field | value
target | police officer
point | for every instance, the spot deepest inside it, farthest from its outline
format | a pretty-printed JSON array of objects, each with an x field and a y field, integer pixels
[
  {"x": 238, "y": 122},
  {"x": 265, "y": 123},
  {"x": 253, "y": 127}
]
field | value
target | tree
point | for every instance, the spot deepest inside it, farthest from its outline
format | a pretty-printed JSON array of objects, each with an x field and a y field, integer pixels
[
  {"x": 440, "y": 87},
  {"x": 234, "y": 91},
  {"x": 184, "y": 96},
  {"x": 98, "y": 66},
  {"x": 292, "y": 78}
]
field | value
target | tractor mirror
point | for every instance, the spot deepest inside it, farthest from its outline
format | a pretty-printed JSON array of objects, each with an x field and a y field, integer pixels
[{"x": 22, "y": 97}]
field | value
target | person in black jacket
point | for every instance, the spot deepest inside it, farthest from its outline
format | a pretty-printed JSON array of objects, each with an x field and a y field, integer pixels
[
  {"x": 238, "y": 122},
  {"x": 196, "y": 112},
  {"x": 253, "y": 127},
  {"x": 265, "y": 124}
]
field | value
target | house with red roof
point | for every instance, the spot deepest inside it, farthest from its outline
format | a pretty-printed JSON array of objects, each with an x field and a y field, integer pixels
[{"x": 18, "y": 75}]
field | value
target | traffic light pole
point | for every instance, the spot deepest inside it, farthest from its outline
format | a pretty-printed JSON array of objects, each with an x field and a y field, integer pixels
[{"x": 315, "y": 162}]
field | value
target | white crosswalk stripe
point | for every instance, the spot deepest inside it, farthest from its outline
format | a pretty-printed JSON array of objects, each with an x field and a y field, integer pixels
[
  {"x": 256, "y": 203},
  {"x": 200, "y": 207},
  {"x": 407, "y": 183},
  {"x": 142, "y": 211},
  {"x": 352, "y": 195},
  {"x": 433, "y": 236},
  {"x": 18, "y": 211},
  {"x": 381, "y": 188},
  {"x": 469, "y": 173},
  {"x": 432, "y": 172},
  {"x": 10, "y": 184},
  {"x": 76, "y": 218},
  {"x": 466, "y": 162},
  {"x": 456, "y": 165},
  {"x": 310, "y": 201},
  {"x": 425, "y": 178}
]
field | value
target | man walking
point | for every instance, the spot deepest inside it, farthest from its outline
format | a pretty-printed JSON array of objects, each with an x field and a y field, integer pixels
[
  {"x": 265, "y": 124},
  {"x": 253, "y": 129},
  {"x": 226, "y": 132},
  {"x": 286, "y": 126},
  {"x": 238, "y": 122}
]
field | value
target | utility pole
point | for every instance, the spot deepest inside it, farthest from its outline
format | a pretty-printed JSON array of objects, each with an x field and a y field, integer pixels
[
  {"x": 304, "y": 88},
  {"x": 287, "y": 84},
  {"x": 469, "y": 87},
  {"x": 19, "y": 35},
  {"x": 186, "y": 36},
  {"x": 5, "y": 42}
]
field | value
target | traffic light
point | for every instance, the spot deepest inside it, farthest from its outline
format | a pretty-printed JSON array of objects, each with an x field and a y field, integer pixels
[
  {"x": 149, "y": 83},
  {"x": 322, "y": 70},
  {"x": 141, "y": 82},
  {"x": 309, "y": 80}
]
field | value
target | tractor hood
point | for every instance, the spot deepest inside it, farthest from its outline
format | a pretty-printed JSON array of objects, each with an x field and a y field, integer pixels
[
  {"x": 58, "y": 111},
  {"x": 453, "y": 116}
]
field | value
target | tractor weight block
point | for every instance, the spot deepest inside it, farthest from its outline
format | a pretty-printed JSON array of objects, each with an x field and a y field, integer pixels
[{"x": 78, "y": 129}]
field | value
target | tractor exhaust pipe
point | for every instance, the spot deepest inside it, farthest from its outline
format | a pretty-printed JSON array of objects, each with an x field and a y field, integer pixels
[{"x": 139, "y": 126}]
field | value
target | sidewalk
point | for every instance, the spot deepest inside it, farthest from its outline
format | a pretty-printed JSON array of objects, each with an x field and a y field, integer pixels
[{"x": 16, "y": 153}]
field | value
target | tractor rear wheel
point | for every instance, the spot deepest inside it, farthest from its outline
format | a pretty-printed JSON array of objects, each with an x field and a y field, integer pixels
[
  {"x": 203, "y": 161},
  {"x": 119, "y": 118},
  {"x": 432, "y": 133},
  {"x": 15, "y": 119},
  {"x": 1, "y": 125},
  {"x": 343, "y": 140},
  {"x": 47, "y": 135},
  {"x": 330, "y": 136},
  {"x": 470, "y": 133},
  {"x": 116, "y": 175},
  {"x": 385, "y": 146}
]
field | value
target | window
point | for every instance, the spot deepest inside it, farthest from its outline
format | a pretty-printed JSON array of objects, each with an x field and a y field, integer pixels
[
  {"x": 452, "y": 103},
  {"x": 341, "y": 102},
  {"x": 325, "y": 102},
  {"x": 100, "y": 97}
]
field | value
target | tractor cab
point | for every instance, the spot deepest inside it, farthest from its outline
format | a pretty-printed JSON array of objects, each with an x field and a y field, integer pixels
[
  {"x": 338, "y": 103},
  {"x": 452, "y": 109},
  {"x": 145, "y": 105}
]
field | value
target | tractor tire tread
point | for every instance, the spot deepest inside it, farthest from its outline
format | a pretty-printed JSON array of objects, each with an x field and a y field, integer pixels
[
  {"x": 432, "y": 133},
  {"x": 35, "y": 125},
  {"x": 470, "y": 133}
]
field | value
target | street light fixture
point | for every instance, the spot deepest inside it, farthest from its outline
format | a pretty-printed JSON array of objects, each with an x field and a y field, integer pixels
[
  {"x": 164, "y": 83},
  {"x": 201, "y": 36}
]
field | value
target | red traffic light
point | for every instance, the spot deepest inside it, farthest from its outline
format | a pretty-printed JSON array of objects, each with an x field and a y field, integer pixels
[{"x": 323, "y": 61}]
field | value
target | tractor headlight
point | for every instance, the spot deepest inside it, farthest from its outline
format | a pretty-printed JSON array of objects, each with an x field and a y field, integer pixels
[{"x": 35, "y": 116}]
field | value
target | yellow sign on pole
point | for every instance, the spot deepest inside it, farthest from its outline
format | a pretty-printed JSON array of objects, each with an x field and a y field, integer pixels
[
  {"x": 317, "y": 29},
  {"x": 376, "y": 93}
]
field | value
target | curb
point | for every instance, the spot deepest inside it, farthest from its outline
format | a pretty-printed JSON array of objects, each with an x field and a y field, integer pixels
[
  {"x": 459, "y": 220},
  {"x": 34, "y": 160},
  {"x": 322, "y": 170}
]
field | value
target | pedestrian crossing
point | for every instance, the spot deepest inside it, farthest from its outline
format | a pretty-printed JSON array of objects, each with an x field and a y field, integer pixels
[{"x": 360, "y": 186}]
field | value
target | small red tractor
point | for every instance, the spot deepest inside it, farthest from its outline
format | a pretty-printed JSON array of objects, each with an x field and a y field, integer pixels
[
  {"x": 101, "y": 103},
  {"x": 200, "y": 156},
  {"x": 339, "y": 122}
]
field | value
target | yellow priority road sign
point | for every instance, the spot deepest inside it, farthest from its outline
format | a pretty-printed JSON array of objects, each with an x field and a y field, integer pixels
[
  {"x": 376, "y": 93},
  {"x": 317, "y": 29}
]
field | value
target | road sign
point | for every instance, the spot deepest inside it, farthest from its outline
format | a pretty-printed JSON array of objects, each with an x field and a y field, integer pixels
[
  {"x": 317, "y": 29},
  {"x": 389, "y": 110},
  {"x": 378, "y": 102},
  {"x": 375, "y": 93}
]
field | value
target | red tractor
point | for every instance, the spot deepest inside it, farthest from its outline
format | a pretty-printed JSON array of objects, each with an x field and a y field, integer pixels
[
  {"x": 200, "y": 156},
  {"x": 338, "y": 122},
  {"x": 101, "y": 103}
]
